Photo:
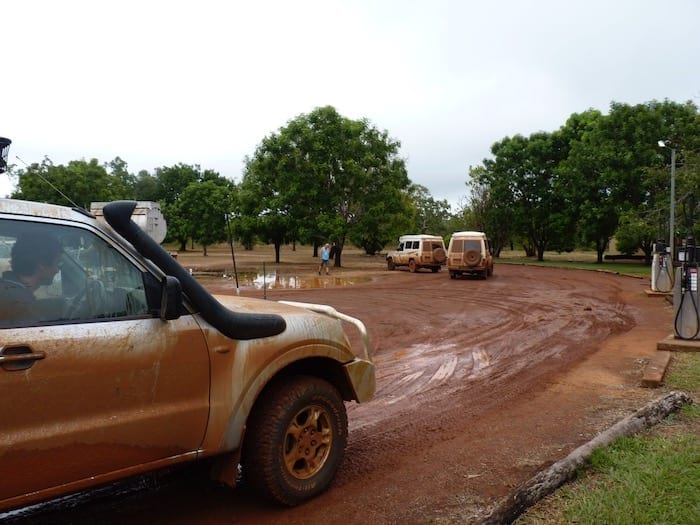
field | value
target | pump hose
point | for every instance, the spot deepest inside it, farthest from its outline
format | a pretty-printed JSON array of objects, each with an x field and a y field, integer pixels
[
  {"x": 666, "y": 269},
  {"x": 678, "y": 315}
]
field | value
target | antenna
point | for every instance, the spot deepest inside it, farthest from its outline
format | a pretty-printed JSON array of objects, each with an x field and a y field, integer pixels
[{"x": 50, "y": 184}]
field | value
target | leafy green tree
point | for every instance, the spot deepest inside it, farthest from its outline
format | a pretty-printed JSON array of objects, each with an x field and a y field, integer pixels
[
  {"x": 146, "y": 187},
  {"x": 635, "y": 232},
  {"x": 265, "y": 203},
  {"x": 486, "y": 213},
  {"x": 431, "y": 215},
  {"x": 612, "y": 166},
  {"x": 123, "y": 181},
  {"x": 78, "y": 183},
  {"x": 680, "y": 129},
  {"x": 379, "y": 226},
  {"x": 326, "y": 177},
  {"x": 524, "y": 177},
  {"x": 204, "y": 207},
  {"x": 172, "y": 183}
]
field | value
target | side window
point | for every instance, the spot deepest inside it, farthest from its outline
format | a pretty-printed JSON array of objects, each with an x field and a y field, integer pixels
[
  {"x": 400, "y": 248},
  {"x": 52, "y": 273}
]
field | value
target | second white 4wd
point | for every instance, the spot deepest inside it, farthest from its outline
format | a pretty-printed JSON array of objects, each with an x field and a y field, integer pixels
[
  {"x": 469, "y": 253},
  {"x": 418, "y": 251}
]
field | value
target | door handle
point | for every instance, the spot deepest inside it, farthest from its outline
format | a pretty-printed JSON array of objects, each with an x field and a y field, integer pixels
[{"x": 18, "y": 357}]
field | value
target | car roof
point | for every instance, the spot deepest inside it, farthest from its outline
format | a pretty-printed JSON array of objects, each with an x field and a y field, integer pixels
[
  {"x": 419, "y": 236},
  {"x": 40, "y": 209},
  {"x": 480, "y": 235}
]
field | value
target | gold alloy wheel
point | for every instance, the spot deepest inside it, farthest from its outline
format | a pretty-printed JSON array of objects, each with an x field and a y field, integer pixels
[{"x": 308, "y": 442}]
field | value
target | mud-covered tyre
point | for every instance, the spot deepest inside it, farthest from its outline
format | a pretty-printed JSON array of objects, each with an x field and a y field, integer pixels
[
  {"x": 472, "y": 258},
  {"x": 439, "y": 255},
  {"x": 412, "y": 266},
  {"x": 435, "y": 269},
  {"x": 295, "y": 440},
  {"x": 390, "y": 264}
]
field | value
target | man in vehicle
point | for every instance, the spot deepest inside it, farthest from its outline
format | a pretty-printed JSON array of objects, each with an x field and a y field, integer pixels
[{"x": 35, "y": 261}]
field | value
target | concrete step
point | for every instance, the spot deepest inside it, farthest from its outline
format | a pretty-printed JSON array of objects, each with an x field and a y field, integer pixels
[{"x": 656, "y": 369}]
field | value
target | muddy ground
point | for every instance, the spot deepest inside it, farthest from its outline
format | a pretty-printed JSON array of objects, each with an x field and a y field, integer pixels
[{"x": 481, "y": 383}]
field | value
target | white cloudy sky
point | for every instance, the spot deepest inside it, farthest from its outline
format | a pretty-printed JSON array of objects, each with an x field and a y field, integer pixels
[{"x": 202, "y": 82}]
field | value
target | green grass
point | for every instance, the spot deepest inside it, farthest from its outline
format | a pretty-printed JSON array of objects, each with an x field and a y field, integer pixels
[
  {"x": 652, "y": 478},
  {"x": 580, "y": 260}
]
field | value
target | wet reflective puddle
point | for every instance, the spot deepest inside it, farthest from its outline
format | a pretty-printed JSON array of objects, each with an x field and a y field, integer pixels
[{"x": 274, "y": 280}]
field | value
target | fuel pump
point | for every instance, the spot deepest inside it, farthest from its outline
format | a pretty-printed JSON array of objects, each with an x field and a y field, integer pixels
[
  {"x": 686, "y": 300},
  {"x": 661, "y": 272}
]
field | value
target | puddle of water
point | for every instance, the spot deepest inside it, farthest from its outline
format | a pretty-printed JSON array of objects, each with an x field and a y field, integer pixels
[{"x": 276, "y": 280}]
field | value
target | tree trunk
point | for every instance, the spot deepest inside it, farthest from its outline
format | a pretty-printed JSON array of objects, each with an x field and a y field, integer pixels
[
  {"x": 336, "y": 258},
  {"x": 278, "y": 246},
  {"x": 550, "y": 479},
  {"x": 339, "y": 251},
  {"x": 599, "y": 257},
  {"x": 600, "y": 247}
]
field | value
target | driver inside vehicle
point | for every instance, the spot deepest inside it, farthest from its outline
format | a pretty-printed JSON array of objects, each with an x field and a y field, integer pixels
[{"x": 35, "y": 260}]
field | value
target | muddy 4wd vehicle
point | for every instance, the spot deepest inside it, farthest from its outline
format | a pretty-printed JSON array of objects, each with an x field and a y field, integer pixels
[
  {"x": 120, "y": 363},
  {"x": 418, "y": 251},
  {"x": 469, "y": 253}
]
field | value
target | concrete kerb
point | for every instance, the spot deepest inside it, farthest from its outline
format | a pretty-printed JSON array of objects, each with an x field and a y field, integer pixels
[{"x": 655, "y": 369}]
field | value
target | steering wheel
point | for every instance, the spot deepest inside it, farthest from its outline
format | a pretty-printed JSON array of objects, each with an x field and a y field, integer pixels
[{"x": 88, "y": 302}]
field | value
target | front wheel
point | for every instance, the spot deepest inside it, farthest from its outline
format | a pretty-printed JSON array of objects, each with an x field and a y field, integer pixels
[
  {"x": 412, "y": 266},
  {"x": 295, "y": 440},
  {"x": 390, "y": 264}
]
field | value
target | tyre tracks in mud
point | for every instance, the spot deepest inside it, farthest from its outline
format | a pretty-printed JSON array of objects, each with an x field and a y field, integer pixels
[
  {"x": 447, "y": 350},
  {"x": 450, "y": 355}
]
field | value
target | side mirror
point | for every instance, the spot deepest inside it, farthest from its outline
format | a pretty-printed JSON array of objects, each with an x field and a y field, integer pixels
[{"x": 170, "y": 298}]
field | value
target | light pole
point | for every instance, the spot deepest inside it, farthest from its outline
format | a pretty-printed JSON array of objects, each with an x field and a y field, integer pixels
[{"x": 671, "y": 237}]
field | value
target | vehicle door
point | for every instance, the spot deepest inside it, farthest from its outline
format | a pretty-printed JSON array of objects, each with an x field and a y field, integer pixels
[{"x": 97, "y": 382}]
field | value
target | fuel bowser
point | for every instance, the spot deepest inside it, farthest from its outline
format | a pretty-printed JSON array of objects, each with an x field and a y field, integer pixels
[
  {"x": 661, "y": 268},
  {"x": 686, "y": 300}
]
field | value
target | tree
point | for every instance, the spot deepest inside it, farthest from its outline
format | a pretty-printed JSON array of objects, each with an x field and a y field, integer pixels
[
  {"x": 146, "y": 187},
  {"x": 183, "y": 222},
  {"x": 633, "y": 233},
  {"x": 326, "y": 177},
  {"x": 611, "y": 165},
  {"x": 524, "y": 177},
  {"x": 486, "y": 213},
  {"x": 172, "y": 181},
  {"x": 78, "y": 183},
  {"x": 431, "y": 215},
  {"x": 123, "y": 181},
  {"x": 204, "y": 204}
]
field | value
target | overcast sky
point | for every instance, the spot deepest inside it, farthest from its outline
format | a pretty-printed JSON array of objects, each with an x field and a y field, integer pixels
[{"x": 203, "y": 82}]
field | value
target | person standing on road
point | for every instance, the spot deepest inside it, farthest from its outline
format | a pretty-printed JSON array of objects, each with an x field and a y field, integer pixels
[{"x": 325, "y": 257}]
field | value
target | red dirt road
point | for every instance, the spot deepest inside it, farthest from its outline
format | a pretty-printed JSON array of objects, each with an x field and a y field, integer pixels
[{"x": 481, "y": 383}]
